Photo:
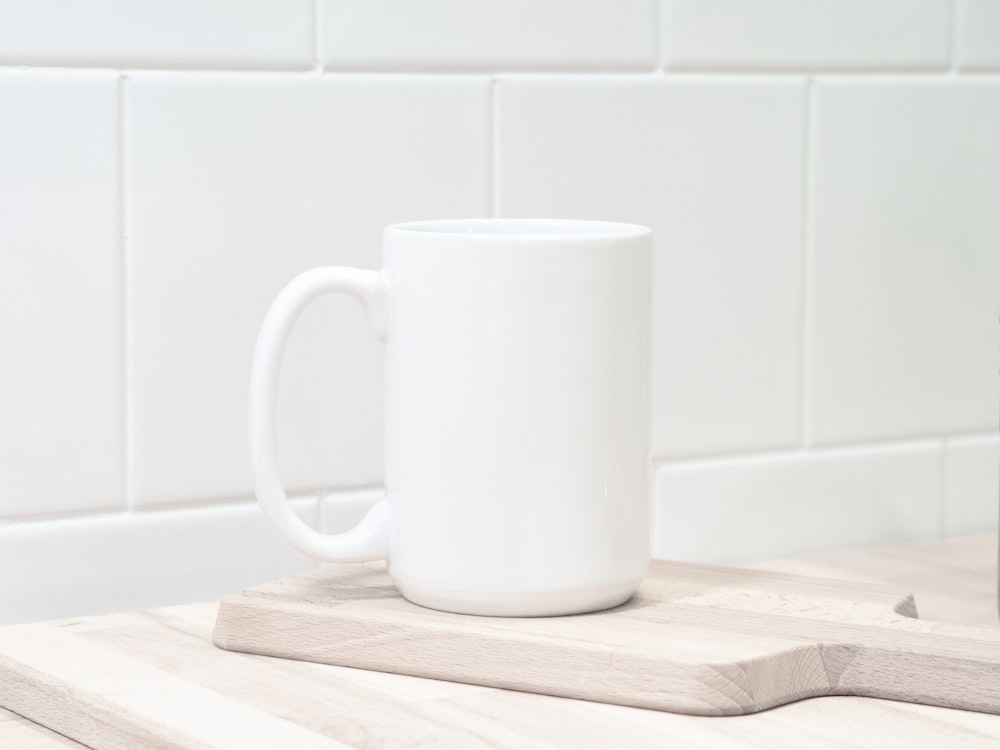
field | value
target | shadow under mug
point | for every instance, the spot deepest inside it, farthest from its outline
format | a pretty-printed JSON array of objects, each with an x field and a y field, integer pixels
[{"x": 517, "y": 464}]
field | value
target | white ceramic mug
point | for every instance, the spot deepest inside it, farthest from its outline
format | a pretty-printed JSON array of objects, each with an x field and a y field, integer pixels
[{"x": 517, "y": 413}]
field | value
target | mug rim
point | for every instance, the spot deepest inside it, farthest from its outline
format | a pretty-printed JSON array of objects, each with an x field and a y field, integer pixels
[{"x": 516, "y": 228}]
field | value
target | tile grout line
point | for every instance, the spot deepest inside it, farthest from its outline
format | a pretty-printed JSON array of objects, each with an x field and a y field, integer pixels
[
  {"x": 661, "y": 37},
  {"x": 943, "y": 489},
  {"x": 836, "y": 450},
  {"x": 953, "y": 37},
  {"x": 702, "y": 73},
  {"x": 808, "y": 262},
  {"x": 317, "y": 36},
  {"x": 494, "y": 189},
  {"x": 125, "y": 250},
  {"x": 317, "y": 497}
]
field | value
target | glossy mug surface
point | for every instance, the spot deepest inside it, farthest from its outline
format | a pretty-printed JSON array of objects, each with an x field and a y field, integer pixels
[{"x": 517, "y": 413}]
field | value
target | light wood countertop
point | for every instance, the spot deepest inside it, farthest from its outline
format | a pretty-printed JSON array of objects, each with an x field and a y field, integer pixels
[{"x": 953, "y": 581}]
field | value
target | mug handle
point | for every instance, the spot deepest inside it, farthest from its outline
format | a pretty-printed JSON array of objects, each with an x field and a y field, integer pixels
[{"x": 369, "y": 540}]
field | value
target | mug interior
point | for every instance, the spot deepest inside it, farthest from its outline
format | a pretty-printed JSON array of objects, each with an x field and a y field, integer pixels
[{"x": 523, "y": 227}]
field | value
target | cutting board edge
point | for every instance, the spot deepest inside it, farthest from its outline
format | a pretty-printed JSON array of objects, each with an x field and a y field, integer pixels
[{"x": 724, "y": 688}]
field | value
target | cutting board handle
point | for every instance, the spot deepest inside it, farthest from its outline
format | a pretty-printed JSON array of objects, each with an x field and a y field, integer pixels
[{"x": 920, "y": 662}]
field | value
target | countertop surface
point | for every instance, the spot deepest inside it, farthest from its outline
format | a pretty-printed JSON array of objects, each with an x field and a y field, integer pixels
[{"x": 952, "y": 581}]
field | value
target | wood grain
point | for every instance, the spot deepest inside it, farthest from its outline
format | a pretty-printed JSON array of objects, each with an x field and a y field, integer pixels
[
  {"x": 119, "y": 702},
  {"x": 366, "y": 709},
  {"x": 697, "y": 639},
  {"x": 22, "y": 734},
  {"x": 955, "y": 580}
]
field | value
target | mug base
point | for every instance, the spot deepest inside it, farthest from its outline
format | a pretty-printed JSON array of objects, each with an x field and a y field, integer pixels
[{"x": 524, "y": 604}]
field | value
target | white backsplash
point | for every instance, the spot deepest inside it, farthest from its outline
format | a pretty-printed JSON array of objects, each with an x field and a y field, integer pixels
[{"x": 823, "y": 179}]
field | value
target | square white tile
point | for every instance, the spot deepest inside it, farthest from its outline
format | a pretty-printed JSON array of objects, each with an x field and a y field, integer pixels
[
  {"x": 753, "y": 509},
  {"x": 977, "y": 34},
  {"x": 60, "y": 293},
  {"x": 239, "y": 183},
  {"x": 514, "y": 34},
  {"x": 112, "y": 563},
  {"x": 806, "y": 34},
  {"x": 715, "y": 168},
  {"x": 903, "y": 341},
  {"x": 973, "y": 486},
  {"x": 158, "y": 33}
]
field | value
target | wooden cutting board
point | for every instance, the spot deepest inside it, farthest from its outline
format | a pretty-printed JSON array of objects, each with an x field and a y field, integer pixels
[{"x": 697, "y": 639}]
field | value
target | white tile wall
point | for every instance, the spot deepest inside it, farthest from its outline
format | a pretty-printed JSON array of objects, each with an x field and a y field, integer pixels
[
  {"x": 806, "y": 34},
  {"x": 97, "y": 564},
  {"x": 237, "y": 185},
  {"x": 154, "y": 33},
  {"x": 903, "y": 340},
  {"x": 514, "y": 34},
  {"x": 973, "y": 486},
  {"x": 828, "y": 274},
  {"x": 341, "y": 511},
  {"x": 786, "y": 505},
  {"x": 715, "y": 168},
  {"x": 60, "y": 294},
  {"x": 977, "y": 34}
]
